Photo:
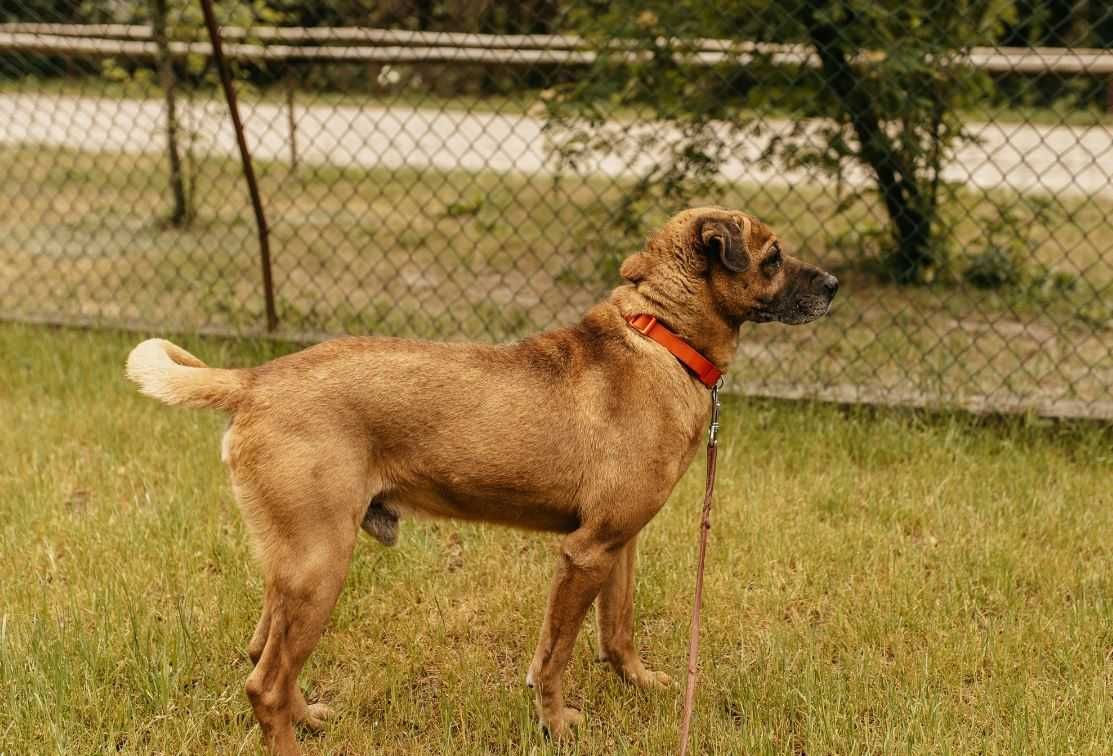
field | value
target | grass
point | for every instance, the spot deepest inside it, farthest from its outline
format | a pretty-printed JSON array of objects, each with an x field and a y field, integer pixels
[
  {"x": 879, "y": 582},
  {"x": 481, "y": 255}
]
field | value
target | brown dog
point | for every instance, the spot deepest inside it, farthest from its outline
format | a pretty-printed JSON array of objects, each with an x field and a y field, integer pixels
[{"x": 581, "y": 430}]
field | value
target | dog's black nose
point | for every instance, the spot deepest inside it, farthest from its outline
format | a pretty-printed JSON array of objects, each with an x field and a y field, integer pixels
[{"x": 830, "y": 285}]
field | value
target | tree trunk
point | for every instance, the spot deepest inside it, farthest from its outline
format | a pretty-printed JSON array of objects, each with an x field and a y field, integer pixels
[
  {"x": 179, "y": 215},
  {"x": 904, "y": 198}
]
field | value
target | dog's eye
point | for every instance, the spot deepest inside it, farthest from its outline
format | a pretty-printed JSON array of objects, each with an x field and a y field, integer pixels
[{"x": 772, "y": 263}]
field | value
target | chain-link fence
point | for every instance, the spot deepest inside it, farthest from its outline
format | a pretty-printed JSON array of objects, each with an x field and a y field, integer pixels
[{"x": 477, "y": 170}]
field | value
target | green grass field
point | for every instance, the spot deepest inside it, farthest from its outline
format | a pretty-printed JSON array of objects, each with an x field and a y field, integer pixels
[{"x": 879, "y": 582}]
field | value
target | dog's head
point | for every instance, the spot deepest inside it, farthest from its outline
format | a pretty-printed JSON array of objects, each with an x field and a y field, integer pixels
[{"x": 715, "y": 262}]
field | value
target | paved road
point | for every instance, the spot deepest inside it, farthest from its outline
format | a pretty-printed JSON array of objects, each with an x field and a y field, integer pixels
[{"x": 1054, "y": 159}]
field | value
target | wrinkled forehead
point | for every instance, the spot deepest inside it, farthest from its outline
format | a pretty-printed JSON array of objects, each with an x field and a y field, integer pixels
[{"x": 756, "y": 236}]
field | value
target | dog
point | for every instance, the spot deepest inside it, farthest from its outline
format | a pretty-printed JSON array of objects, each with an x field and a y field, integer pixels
[{"x": 582, "y": 430}]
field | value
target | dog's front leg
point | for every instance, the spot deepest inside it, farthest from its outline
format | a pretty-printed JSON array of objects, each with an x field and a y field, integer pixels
[
  {"x": 585, "y": 562},
  {"x": 614, "y": 615}
]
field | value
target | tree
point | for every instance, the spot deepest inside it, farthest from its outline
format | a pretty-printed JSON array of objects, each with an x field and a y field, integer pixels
[
  {"x": 173, "y": 20},
  {"x": 180, "y": 213},
  {"x": 871, "y": 84}
]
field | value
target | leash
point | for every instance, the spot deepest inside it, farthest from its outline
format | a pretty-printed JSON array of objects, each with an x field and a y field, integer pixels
[{"x": 704, "y": 529}]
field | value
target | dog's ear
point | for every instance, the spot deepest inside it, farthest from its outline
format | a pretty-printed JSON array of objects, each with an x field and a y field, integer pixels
[
  {"x": 722, "y": 237},
  {"x": 634, "y": 268}
]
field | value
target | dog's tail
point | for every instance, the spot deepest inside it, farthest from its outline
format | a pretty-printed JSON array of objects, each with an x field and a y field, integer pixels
[{"x": 172, "y": 375}]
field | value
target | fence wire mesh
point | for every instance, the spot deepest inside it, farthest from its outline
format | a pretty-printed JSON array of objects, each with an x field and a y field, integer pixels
[{"x": 478, "y": 169}]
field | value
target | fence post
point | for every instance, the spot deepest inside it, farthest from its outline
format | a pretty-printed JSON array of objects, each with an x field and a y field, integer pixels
[{"x": 245, "y": 158}]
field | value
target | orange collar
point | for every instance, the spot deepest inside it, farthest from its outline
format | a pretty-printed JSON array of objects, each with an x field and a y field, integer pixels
[{"x": 704, "y": 370}]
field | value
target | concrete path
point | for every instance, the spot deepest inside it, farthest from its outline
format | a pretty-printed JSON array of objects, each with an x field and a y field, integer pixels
[{"x": 1027, "y": 158}]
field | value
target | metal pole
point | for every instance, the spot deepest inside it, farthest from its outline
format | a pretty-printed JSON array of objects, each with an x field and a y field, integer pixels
[{"x": 245, "y": 158}]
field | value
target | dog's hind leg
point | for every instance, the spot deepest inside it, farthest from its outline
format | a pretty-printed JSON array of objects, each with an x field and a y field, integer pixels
[
  {"x": 305, "y": 534},
  {"x": 309, "y": 715},
  {"x": 308, "y": 579},
  {"x": 614, "y": 616}
]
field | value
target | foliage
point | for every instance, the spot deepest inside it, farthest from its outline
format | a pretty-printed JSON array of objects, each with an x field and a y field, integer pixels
[
  {"x": 993, "y": 268},
  {"x": 869, "y": 86},
  {"x": 1009, "y": 259},
  {"x": 37, "y": 10},
  {"x": 492, "y": 16}
]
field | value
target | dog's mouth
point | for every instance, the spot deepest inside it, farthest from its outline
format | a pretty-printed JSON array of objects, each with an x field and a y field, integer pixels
[{"x": 805, "y": 309}]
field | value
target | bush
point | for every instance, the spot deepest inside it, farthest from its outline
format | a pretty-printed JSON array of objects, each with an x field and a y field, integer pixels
[
  {"x": 995, "y": 268},
  {"x": 1008, "y": 261}
]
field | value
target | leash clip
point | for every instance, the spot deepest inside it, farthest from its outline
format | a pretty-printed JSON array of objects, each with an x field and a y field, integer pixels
[{"x": 713, "y": 430}]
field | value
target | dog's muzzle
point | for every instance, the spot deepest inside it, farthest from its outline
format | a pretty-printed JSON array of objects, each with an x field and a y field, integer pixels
[{"x": 809, "y": 301}]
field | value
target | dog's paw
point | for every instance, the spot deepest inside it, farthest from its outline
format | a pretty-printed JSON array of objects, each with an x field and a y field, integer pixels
[
  {"x": 652, "y": 679},
  {"x": 638, "y": 674},
  {"x": 560, "y": 726},
  {"x": 315, "y": 717}
]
